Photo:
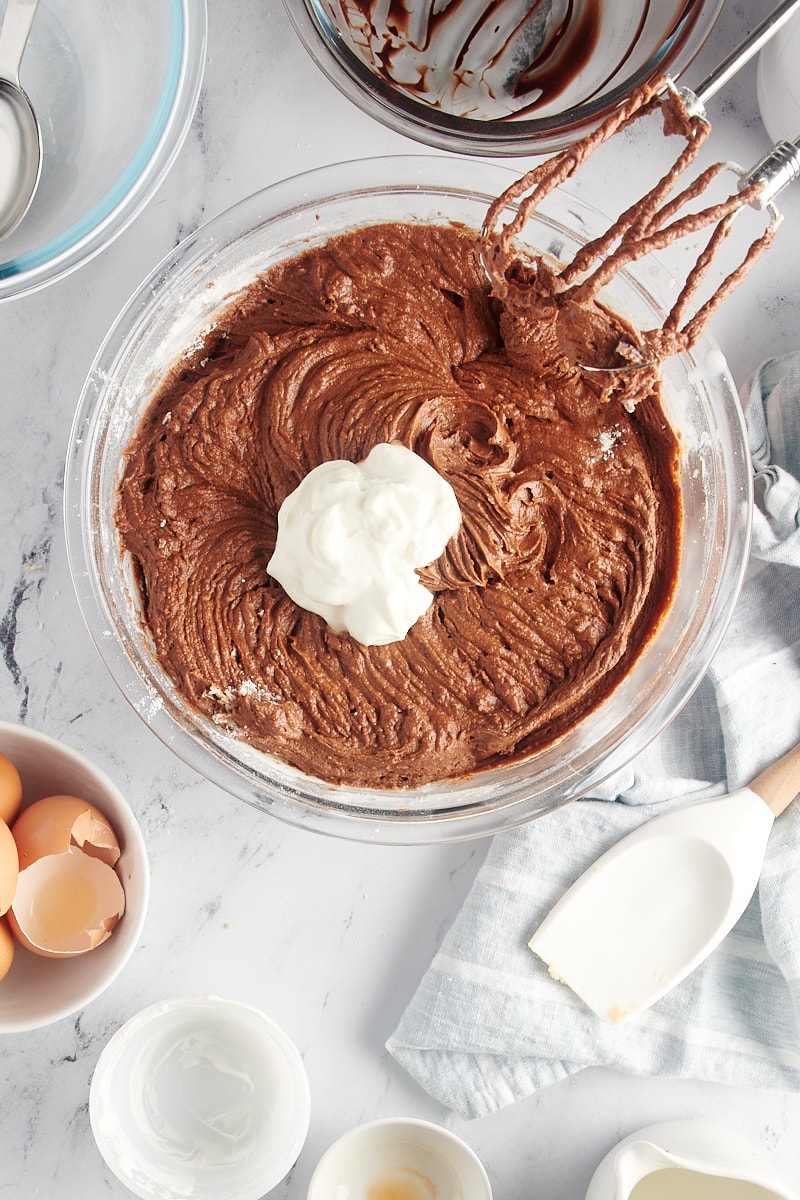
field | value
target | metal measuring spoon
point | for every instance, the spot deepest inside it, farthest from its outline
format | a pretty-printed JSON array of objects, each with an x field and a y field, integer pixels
[{"x": 20, "y": 136}]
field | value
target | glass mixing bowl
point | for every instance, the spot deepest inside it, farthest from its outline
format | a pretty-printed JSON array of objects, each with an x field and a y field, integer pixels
[
  {"x": 179, "y": 301},
  {"x": 114, "y": 86},
  {"x": 498, "y": 78}
]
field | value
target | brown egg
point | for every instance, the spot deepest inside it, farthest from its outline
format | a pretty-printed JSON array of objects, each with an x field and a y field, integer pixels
[
  {"x": 68, "y": 897},
  {"x": 52, "y": 825},
  {"x": 9, "y": 867},
  {"x": 10, "y": 790},
  {"x": 6, "y": 947}
]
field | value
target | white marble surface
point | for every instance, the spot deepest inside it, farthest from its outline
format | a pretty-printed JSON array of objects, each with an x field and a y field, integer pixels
[{"x": 328, "y": 937}]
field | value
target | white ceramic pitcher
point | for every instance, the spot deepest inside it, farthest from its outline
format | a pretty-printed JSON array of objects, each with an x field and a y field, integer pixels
[{"x": 685, "y": 1160}]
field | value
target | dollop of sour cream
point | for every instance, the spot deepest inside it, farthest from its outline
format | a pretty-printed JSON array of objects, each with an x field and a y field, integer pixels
[{"x": 351, "y": 537}]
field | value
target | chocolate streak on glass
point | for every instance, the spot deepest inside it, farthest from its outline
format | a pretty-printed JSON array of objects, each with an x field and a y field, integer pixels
[{"x": 523, "y": 52}]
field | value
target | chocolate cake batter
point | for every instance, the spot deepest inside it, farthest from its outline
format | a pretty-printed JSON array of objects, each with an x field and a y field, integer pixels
[{"x": 569, "y": 543}]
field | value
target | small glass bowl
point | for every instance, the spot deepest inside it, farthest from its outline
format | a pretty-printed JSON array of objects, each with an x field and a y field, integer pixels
[
  {"x": 634, "y": 43},
  {"x": 180, "y": 300},
  {"x": 114, "y": 86}
]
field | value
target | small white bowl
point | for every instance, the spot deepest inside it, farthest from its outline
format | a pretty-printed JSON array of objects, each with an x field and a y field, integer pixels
[
  {"x": 399, "y": 1158},
  {"x": 200, "y": 1097},
  {"x": 37, "y": 991}
]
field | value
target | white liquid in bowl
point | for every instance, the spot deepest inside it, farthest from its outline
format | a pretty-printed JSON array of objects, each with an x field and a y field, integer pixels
[{"x": 676, "y": 1183}]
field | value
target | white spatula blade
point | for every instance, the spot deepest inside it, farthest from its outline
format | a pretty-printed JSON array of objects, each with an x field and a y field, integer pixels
[{"x": 655, "y": 905}]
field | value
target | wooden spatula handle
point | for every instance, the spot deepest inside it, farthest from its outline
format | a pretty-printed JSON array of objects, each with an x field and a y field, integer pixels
[{"x": 779, "y": 784}]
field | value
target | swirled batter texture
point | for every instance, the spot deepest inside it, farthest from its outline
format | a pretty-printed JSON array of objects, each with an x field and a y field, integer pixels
[{"x": 567, "y": 554}]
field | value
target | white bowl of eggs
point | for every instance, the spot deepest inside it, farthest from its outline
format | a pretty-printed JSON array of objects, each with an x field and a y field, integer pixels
[{"x": 74, "y": 880}]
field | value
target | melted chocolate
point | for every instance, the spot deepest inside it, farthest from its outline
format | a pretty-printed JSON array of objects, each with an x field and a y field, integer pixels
[{"x": 498, "y": 60}]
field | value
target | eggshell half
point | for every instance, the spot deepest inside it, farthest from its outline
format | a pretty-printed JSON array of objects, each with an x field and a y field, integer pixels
[
  {"x": 66, "y": 904},
  {"x": 52, "y": 825},
  {"x": 10, "y": 790},
  {"x": 9, "y": 867},
  {"x": 6, "y": 947}
]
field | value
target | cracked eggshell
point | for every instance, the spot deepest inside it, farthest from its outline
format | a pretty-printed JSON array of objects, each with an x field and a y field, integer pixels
[
  {"x": 66, "y": 904},
  {"x": 53, "y": 824},
  {"x": 69, "y": 898}
]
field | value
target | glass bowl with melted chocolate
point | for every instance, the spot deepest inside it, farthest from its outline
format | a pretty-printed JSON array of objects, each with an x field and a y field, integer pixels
[
  {"x": 600, "y": 551},
  {"x": 500, "y": 77}
]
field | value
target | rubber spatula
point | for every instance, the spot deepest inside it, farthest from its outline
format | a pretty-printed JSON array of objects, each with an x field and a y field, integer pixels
[{"x": 656, "y": 904}]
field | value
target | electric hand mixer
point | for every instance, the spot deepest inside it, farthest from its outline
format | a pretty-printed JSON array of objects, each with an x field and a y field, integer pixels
[{"x": 652, "y": 223}]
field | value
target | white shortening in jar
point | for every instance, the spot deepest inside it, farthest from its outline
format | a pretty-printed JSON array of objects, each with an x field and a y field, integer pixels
[{"x": 200, "y": 1098}]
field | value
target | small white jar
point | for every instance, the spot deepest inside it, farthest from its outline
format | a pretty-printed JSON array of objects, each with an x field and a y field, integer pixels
[{"x": 200, "y": 1098}]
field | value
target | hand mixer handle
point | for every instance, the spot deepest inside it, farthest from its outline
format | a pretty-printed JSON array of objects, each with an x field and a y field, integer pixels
[{"x": 777, "y": 169}]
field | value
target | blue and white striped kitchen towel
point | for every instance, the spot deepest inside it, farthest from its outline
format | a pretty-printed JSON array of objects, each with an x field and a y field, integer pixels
[{"x": 487, "y": 1025}]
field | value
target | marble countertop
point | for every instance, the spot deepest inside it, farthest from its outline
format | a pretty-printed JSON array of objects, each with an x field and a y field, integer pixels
[{"x": 330, "y": 938}]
